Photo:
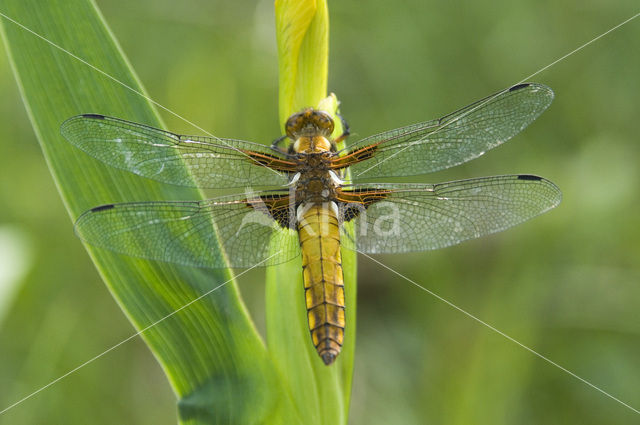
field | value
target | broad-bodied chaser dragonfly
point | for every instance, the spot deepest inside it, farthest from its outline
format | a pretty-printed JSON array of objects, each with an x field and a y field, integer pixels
[{"x": 310, "y": 197}]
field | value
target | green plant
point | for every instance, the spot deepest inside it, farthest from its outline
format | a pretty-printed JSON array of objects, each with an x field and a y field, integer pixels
[{"x": 213, "y": 357}]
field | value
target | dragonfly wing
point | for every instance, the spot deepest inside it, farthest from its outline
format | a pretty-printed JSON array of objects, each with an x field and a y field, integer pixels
[
  {"x": 398, "y": 218},
  {"x": 206, "y": 162},
  {"x": 451, "y": 140},
  {"x": 189, "y": 233}
]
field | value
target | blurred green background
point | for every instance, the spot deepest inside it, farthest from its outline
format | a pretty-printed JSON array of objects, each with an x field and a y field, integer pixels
[{"x": 566, "y": 284}]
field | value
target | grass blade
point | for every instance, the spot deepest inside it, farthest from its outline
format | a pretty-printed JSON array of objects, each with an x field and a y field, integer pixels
[{"x": 210, "y": 351}]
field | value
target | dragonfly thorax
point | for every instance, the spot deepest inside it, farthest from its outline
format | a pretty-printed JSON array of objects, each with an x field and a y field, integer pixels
[
  {"x": 315, "y": 182},
  {"x": 312, "y": 145}
]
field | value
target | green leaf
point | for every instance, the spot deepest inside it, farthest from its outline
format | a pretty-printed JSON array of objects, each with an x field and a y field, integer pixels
[
  {"x": 67, "y": 62},
  {"x": 302, "y": 31},
  {"x": 210, "y": 351}
]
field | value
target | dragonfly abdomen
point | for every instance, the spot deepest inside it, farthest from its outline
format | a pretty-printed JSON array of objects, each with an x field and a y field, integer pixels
[{"x": 323, "y": 280}]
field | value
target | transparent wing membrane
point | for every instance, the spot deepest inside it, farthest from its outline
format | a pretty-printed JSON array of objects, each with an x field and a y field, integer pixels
[
  {"x": 188, "y": 232},
  {"x": 418, "y": 217},
  {"x": 205, "y": 162},
  {"x": 451, "y": 140}
]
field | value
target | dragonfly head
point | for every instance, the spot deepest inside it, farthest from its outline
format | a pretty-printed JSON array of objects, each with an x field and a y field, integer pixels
[{"x": 309, "y": 123}]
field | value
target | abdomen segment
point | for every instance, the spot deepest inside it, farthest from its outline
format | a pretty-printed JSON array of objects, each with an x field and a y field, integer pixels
[{"x": 323, "y": 281}]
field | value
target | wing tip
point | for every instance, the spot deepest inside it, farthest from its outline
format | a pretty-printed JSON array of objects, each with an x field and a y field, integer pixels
[
  {"x": 69, "y": 122},
  {"x": 557, "y": 193},
  {"x": 534, "y": 86}
]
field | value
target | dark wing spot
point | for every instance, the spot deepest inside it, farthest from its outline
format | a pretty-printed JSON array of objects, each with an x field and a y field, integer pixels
[
  {"x": 94, "y": 116},
  {"x": 529, "y": 177},
  {"x": 519, "y": 86},
  {"x": 102, "y": 207}
]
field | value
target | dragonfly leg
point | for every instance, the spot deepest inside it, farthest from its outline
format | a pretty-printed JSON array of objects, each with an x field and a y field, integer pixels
[
  {"x": 276, "y": 145},
  {"x": 345, "y": 130}
]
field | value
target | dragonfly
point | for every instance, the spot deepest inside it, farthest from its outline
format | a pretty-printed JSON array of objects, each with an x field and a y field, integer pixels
[{"x": 302, "y": 193}]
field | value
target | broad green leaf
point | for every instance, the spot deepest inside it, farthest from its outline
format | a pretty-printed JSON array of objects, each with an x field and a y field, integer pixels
[
  {"x": 302, "y": 31},
  {"x": 213, "y": 357}
]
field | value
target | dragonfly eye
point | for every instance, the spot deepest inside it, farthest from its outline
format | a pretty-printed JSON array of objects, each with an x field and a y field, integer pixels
[
  {"x": 323, "y": 122},
  {"x": 294, "y": 124}
]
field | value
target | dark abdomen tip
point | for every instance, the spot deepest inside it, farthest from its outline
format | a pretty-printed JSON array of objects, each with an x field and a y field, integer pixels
[{"x": 328, "y": 357}]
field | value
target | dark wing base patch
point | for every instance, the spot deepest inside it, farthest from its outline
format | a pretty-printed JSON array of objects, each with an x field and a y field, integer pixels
[
  {"x": 276, "y": 207},
  {"x": 354, "y": 202}
]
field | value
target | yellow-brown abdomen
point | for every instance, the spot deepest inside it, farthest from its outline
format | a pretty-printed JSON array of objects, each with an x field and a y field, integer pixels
[{"x": 323, "y": 281}]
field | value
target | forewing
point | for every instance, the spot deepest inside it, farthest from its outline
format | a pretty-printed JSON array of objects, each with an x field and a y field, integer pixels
[
  {"x": 400, "y": 218},
  {"x": 189, "y": 233},
  {"x": 171, "y": 158},
  {"x": 451, "y": 140}
]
